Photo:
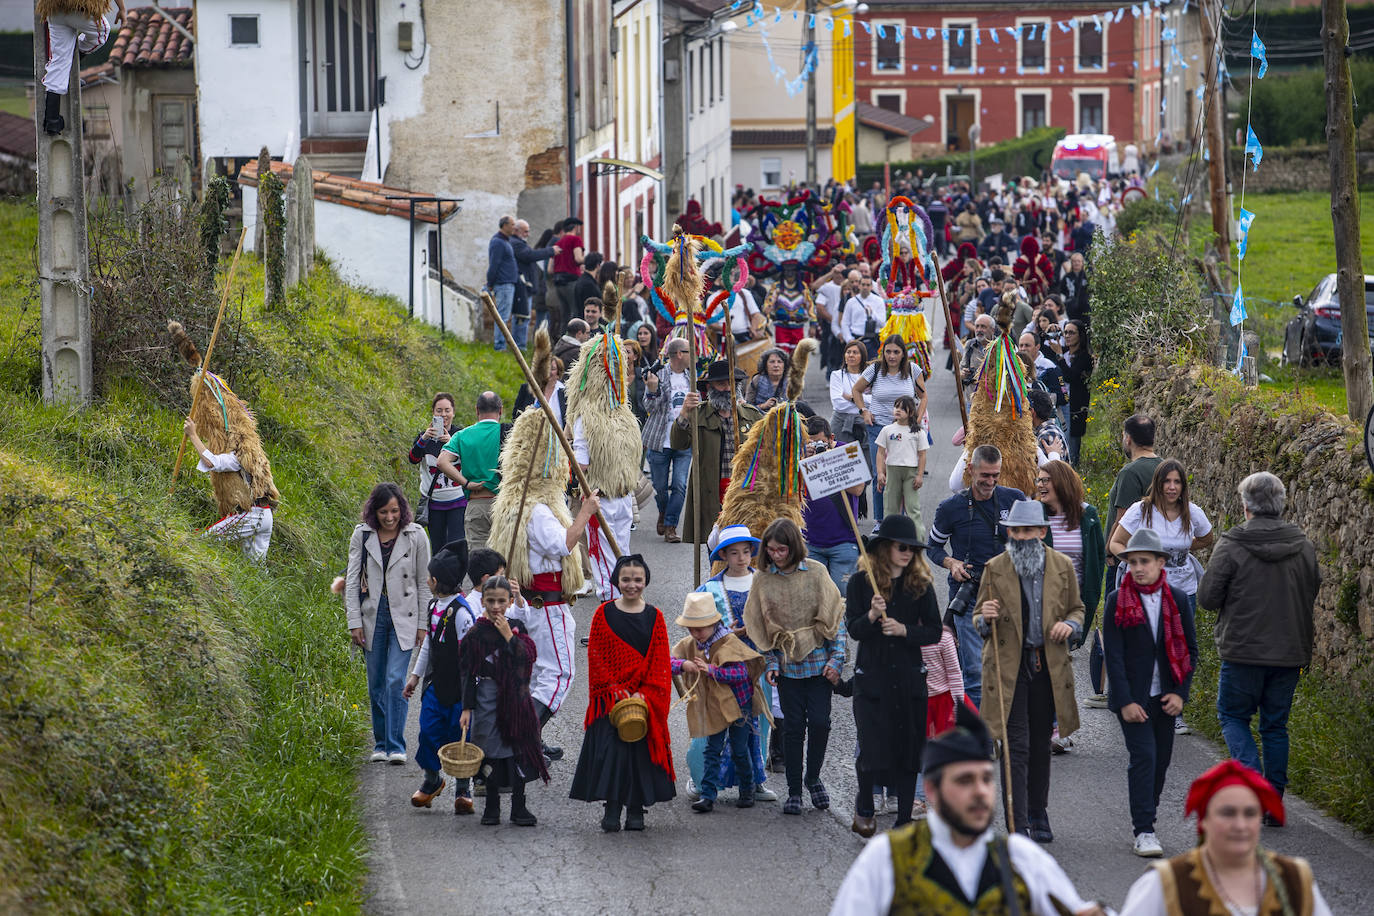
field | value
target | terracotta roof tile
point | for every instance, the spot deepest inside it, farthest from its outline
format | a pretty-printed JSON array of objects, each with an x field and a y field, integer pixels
[
  {"x": 147, "y": 39},
  {"x": 781, "y": 138},
  {"x": 17, "y": 136},
  {"x": 892, "y": 122},
  {"x": 353, "y": 192}
]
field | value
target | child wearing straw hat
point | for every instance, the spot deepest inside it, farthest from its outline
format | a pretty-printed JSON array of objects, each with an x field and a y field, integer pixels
[{"x": 715, "y": 671}]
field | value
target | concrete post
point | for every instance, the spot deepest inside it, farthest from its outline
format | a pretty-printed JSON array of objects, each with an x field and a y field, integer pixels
[
  {"x": 302, "y": 174},
  {"x": 293, "y": 233},
  {"x": 63, "y": 273}
]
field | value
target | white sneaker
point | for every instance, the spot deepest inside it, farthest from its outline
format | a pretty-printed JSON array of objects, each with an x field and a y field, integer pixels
[
  {"x": 396, "y": 759},
  {"x": 378, "y": 757},
  {"x": 763, "y": 793},
  {"x": 1181, "y": 727},
  {"x": 693, "y": 792},
  {"x": 891, "y": 804},
  {"x": 1147, "y": 846},
  {"x": 1096, "y": 701},
  {"x": 585, "y": 590}
]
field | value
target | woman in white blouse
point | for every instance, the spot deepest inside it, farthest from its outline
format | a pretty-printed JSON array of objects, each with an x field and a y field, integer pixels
[
  {"x": 891, "y": 376},
  {"x": 845, "y": 422}
]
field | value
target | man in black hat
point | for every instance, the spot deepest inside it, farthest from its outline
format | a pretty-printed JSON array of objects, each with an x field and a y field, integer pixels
[
  {"x": 715, "y": 420},
  {"x": 954, "y": 853}
]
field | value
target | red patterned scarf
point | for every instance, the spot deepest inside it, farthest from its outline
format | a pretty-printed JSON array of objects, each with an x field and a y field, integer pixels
[
  {"x": 616, "y": 670},
  {"x": 1130, "y": 612}
]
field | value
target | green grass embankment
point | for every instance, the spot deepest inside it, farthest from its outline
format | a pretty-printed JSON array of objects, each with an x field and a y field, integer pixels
[{"x": 181, "y": 728}]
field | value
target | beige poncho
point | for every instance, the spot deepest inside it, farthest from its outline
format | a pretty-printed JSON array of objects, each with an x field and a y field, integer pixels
[{"x": 793, "y": 613}]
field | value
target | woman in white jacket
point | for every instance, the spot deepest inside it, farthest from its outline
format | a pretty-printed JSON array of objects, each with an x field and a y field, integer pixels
[{"x": 386, "y": 595}]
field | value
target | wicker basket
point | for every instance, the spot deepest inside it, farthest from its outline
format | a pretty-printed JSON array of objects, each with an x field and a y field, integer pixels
[
  {"x": 630, "y": 717},
  {"x": 460, "y": 759}
]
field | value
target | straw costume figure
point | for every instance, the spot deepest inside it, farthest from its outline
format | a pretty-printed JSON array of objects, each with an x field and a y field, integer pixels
[
  {"x": 766, "y": 482},
  {"x": 72, "y": 25},
  {"x": 999, "y": 412},
  {"x": 224, "y": 434},
  {"x": 605, "y": 439},
  {"x": 530, "y": 526}
]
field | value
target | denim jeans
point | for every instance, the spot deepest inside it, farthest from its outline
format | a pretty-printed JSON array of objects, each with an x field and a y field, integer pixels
[
  {"x": 1244, "y": 690},
  {"x": 805, "y": 714},
  {"x": 839, "y": 561},
  {"x": 670, "y": 465},
  {"x": 387, "y": 667},
  {"x": 438, "y": 726},
  {"x": 970, "y": 652},
  {"x": 1150, "y": 746},
  {"x": 504, "y": 294},
  {"x": 738, "y": 736},
  {"x": 873, "y": 431}
]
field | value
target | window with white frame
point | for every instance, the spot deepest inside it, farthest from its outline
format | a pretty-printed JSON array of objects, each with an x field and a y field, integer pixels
[
  {"x": 1033, "y": 37},
  {"x": 1091, "y": 109},
  {"x": 1034, "y": 110},
  {"x": 770, "y": 171},
  {"x": 959, "y": 54},
  {"x": 243, "y": 31},
  {"x": 887, "y": 50},
  {"x": 890, "y": 101},
  {"x": 1092, "y": 38}
]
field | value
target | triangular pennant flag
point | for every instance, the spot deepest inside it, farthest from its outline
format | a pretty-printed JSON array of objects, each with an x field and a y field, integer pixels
[
  {"x": 811, "y": 21},
  {"x": 1243, "y": 238},
  {"x": 1252, "y": 147},
  {"x": 915, "y": 33},
  {"x": 1238, "y": 307},
  {"x": 1241, "y": 353},
  {"x": 930, "y": 33},
  {"x": 898, "y": 32},
  {"x": 1257, "y": 51},
  {"x": 961, "y": 38},
  {"x": 993, "y": 34},
  {"x": 846, "y": 28}
]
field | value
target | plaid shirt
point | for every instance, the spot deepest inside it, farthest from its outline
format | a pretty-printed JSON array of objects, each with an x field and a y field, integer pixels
[
  {"x": 829, "y": 653},
  {"x": 727, "y": 442},
  {"x": 734, "y": 675}
]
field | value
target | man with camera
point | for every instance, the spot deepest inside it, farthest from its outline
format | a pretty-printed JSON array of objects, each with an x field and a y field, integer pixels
[
  {"x": 968, "y": 531},
  {"x": 665, "y": 390}
]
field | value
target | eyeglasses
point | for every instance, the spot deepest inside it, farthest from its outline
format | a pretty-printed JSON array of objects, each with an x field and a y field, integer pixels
[{"x": 1042, "y": 480}]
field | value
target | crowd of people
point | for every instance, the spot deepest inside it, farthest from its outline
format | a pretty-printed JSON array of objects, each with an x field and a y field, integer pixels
[{"x": 793, "y": 608}]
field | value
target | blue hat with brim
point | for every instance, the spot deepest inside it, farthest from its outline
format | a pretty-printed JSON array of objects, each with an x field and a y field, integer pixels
[{"x": 734, "y": 534}]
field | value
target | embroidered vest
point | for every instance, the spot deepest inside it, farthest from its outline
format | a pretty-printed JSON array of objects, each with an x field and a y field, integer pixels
[
  {"x": 1188, "y": 891},
  {"x": 923, "y": 884}
]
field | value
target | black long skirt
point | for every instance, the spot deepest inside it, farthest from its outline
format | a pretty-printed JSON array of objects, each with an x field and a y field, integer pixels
[{"x": 609, "y": 769}]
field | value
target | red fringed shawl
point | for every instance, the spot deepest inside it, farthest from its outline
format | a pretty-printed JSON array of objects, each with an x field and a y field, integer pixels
[{"x": 616, "y": 670}]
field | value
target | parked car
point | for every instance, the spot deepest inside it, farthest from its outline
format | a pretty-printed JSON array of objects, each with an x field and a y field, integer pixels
[{"x": 1314, "y": 334}]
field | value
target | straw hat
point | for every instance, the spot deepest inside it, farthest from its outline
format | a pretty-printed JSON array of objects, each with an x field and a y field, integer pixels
[{"x": 699, "y": 610}]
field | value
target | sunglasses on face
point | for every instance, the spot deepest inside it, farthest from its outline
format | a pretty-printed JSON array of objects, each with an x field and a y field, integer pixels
[{"x": 904, "y": 548}]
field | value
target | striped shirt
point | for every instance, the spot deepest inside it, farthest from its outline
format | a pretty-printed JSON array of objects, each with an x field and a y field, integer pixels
[
  {"x": 884, "y": 390},
  {"x": 1069, "y": 543}
]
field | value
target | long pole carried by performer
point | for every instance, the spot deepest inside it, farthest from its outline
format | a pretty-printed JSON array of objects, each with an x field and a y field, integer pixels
[
  {"x": 694, "y": 470},
  {"x": 209, "y": 352},
  {"x": 728, "y": 338},
  {"x": 524, "y": 491},
  {"x": 538, "y": 392},
  {"x": 1002, "y": 717},
  {"x": 953, "y": 346}
]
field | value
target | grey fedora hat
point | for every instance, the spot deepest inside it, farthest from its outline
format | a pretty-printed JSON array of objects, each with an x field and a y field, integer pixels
[
  {"x": 1144, "y": 541},
  {"x": 1026, "y": 513}
]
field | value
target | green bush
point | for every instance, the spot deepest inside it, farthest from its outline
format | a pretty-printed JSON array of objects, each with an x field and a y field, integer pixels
[
  {"x": 1028, "y": 154},
  {"x": 1145, "y": 305},
  {"x": 1289, "y": 109},
  {"x": 1146, "y": 213},
  {"x": 181, "y": 727}
]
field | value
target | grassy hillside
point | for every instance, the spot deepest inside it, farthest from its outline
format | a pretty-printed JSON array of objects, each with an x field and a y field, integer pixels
[{"x": 181, "y": 727}]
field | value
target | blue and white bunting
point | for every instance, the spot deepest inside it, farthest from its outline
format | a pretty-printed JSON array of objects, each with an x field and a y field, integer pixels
[
  {"x": 1238, "y": 314},
  {"x": 1252, "y": 147},
  {"x": 1257, "y": 52},
  {"x": 1243, "y": 238}
]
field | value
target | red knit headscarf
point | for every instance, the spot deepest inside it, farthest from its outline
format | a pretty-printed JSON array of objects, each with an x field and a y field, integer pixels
[
  {"x": 1130, "y": 612},
  {"x": 1231, "y": 773}
]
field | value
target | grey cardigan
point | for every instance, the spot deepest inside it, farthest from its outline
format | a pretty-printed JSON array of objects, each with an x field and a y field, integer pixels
[{"x": 407, "y": 582}]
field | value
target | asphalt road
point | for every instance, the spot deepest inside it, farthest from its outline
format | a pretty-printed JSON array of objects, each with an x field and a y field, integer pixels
[{"x": 757, "y": 861}]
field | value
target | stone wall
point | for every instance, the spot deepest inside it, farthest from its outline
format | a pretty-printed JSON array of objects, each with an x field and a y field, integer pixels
[
  {"x": 1223, "y": 431},
  {"x": 1295, "y": 169}
]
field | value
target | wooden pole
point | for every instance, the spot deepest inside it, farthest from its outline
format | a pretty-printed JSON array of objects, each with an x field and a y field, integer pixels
[
  {"x": 524, "y": 492},
  {"x": 864, "y": 564},
  {"x": 1210, "y": 21},
  {"x": 694, "y": 468},
  {"x": 209, "y": 352},
  {"x": 548, "y": 414},
  {"x": 728, "y": 338},
  {"x": 1345, "y": 210},
  {"x": 1002, "y": 717},
  {"x": 953, "y": 346}
]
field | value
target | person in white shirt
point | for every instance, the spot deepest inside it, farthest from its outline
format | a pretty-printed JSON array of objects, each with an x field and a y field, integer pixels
[
  {"x": 864, "y": 315},
  {"x": 829, "y": 300},
  {"x": 744, "y": 316},
  {"x": 961, "y": 788},
  {"x": 846, "y": 422}
]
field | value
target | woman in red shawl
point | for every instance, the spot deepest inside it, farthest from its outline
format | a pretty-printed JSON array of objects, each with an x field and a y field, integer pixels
[
  {"x": 627, "y": 655},
  {"x": 1034, "y": 270}
]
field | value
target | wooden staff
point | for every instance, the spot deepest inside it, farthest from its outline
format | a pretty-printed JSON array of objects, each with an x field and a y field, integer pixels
[
  {"x": 1002, "y": 717},
  {"x": 953, "y": 346},
  {"x": 865, "y": 562},
  {"x": 728, "y": 338},
  {"x": 524, "y": 492},
  {"x": 694, "y": 468},
  {"x": 209, "y": 351},
  {"x": 548, "y": 413}
]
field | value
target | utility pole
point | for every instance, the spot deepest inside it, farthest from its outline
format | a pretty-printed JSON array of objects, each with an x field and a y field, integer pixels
[
  {"x": 1216, "y": 128},
  {"x": 808, "y": 54},
  {"x": 63, "y": 274},
  {"x": 1345, "y": 211}
]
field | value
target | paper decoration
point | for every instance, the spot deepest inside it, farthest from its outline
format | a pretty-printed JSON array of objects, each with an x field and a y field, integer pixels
[
  {"x": 1238, "y": 314},
  {"x": 1257, "y": 51},
  {"x": 1246, "y": 218},
  {"x": 1252, "y": 147}
]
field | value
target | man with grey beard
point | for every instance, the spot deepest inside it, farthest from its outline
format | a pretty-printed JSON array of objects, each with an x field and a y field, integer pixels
[
  {"x": 715, "y": 420},
  {"x": 1030, "y": 593}
]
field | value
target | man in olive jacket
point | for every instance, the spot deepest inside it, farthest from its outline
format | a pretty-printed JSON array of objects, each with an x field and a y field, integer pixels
[
  {"x": 1262, "y": 582},
  {"x": 711, "y": 463}
]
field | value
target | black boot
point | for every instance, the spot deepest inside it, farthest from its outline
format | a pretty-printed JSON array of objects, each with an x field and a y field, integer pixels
[
  {"x": 519, "y": 814},
  {"x": 52, "y": 114},
  {"x": 634, "y": 817},
  {"x": 491, "y": 814},
  {"x": 610, "y": 821},
  {"x": 775, "y": 752}
]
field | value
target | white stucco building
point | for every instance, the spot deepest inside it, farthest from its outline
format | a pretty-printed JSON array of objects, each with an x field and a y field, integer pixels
[{"x": 696, "y": 106}]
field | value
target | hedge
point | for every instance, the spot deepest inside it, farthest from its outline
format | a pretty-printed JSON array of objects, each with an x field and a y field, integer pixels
[{"x": 1028, "y": 154}]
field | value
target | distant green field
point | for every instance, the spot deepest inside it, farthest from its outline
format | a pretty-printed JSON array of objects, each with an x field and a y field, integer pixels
[{"x": 13, "y": 99}]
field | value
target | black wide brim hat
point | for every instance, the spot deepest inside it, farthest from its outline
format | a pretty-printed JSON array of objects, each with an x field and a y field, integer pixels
[
  {"x": 719, "y": 372},
  {"x": 449, "y": 565},
  {"x": 897, "y": 528}
]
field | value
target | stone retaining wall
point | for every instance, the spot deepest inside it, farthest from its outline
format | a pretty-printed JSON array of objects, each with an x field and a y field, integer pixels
[{"x": 1223, "y": 431}]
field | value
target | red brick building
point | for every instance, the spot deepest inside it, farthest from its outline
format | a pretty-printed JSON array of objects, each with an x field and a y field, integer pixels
[{"x": 1009, "y": 67}]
